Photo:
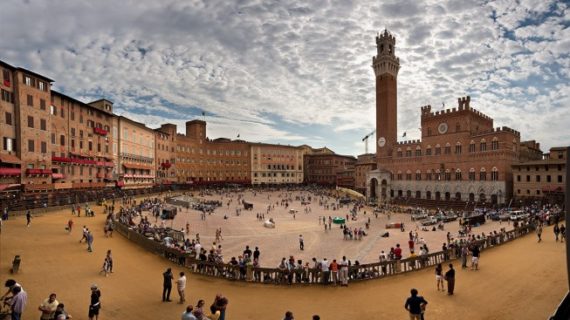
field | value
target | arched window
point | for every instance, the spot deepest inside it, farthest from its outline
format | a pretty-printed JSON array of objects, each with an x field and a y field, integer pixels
[
  {"x": 471, "y": 146},
  {"x": 458, "y": 175},
  {"x": 447, "y": 148},
  {"x": 418, "y": 151},
  {"x": 418, "y": 175},
  {"x": 408, "y": 175},
  {"x": 437, "y": 175},
  {"x": 408, "y": 152},
  {"x": 495, "y": 144},
  {"x": 472, "y": 174},
  {"x": 494, "y": 174},
  {"x": 437, "y": 149},
  {"x": 458, "y": 148},
  {"x": 447, "y": 175},
  {"x": 428, "y": 150},
  {"x": 429, "y": 175},
  {"x": 483, "y": 175},
  {"x": 457, "y": 127},
  {"x": 399, "y": 175},
  {"x": 483, "y": 145},
  {"x": 399, "y": 152}
]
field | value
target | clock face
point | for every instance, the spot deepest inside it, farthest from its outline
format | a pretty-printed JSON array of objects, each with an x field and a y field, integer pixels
[
  {"x": 442, "y": 128},
  {"x": 381, "y": 142}
]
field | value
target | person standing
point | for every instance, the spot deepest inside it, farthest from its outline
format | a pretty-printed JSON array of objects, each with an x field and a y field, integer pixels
[
  {"x": 69, "y": 226},
  {"x": 562, "y": 233},
  {"x": 344, "y": 272},
  {"x": 450, "y": 278},
  {"x": 28, "y": 217},
  {"x": 464, "y": 253},
  {"x": 109, "y": 258},
  {"x": 439, "y": 277},
  {"x": 181, "y": 287},
  {"x": 301, "y": 242},
  {"x": 89, "y": 241},
  {"x": 289, "y": 316},
  {"x": 415, "y": 305},
  {"x": 475, "y": 252},
  {"x": 556, "y": 230},
  {"x": 95, "y": 304},
  {"x": 48, "y": 307},
  {"x": 167, "y": 285},
  {"x": 539, "y": 232},
  {"x": 18, "y": 302}
]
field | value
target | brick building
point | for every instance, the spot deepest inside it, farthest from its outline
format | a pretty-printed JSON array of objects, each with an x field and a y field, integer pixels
[
  {"x": 136, "y": 154},
  {"x": 81, "y": 148},
  {"x": 543, "y": 179},
  {"x": 165, "y": 146},
  {"x": 323, "y": 169},
  {"x": 200, "y": 160},
  {"x": 364, "y": 164},
  {"x": 461, "y": 155},
  {"x": 276, "y": 164}
]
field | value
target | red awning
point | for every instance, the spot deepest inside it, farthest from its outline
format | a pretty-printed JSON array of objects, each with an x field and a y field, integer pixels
[
  {"x": 5, "y": 187},
  {"x": 552, "y": 189},
  {"x": 10, "y": 172},
  {"x": 136, "y": 166},
  {"x": 9, "y": 158},
  {"x": 57, "y": 175}
]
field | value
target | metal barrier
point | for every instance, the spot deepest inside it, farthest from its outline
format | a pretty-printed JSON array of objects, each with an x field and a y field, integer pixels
[{"x": 309, "y": 276}]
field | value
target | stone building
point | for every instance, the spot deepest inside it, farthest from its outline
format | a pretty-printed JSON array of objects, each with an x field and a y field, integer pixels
[
  {"x": 200, "y": 160},
  {"x": 81, "y": 147},
  {"x": 323, "y": 168},
  {"x": 276, "y": 164},
  {"x": 460, "y": 157},
  {"x": 364, "y": 164},
  {"x": 165, "y": 148},
  {"x": 136, "y": 154},
  {"x": 543, "y": 179}
]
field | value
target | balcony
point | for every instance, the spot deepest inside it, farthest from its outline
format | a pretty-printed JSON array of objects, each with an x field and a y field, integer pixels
[
  {"x": 100, "y": 131},
  {"x": 10, "y": 172},
  {"x": 57, "y": 176},
  {"x": 166, "y": 165},
  {"x": 61, "y": 159},
  {"x": 34, "y": 172},
  {"x": 46, "y": 171},
  {"x": 84, "y": 161}
]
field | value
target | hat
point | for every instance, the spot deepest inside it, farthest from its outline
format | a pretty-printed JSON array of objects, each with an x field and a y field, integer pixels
[{"x": 93, "y": 286}]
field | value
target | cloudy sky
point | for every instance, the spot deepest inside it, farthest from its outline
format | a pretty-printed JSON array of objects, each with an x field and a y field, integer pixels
[{"x": 297, "y": 72}]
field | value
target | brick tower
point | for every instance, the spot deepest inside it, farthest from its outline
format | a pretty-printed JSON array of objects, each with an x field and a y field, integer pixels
[{"x": 386, "y": 66}]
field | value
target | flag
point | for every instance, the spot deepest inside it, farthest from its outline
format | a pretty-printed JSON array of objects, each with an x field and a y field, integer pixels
[{"x": 404, "y": 135}]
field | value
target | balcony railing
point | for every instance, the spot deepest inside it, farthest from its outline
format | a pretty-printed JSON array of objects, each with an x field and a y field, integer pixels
[{"x": 100, "y": 131}]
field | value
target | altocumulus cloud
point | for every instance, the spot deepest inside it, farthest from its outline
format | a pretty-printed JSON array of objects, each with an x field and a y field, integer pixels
[{"x": 297, "y": 72}]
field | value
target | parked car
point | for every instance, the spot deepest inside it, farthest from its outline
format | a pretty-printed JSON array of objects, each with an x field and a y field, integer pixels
[
  {"x": 419, "y": 216},
  {"x": 494, "y": 215},
  {"x": 429, "y": 221},
  {"x": 519, "y": 215},
  {"x": 505, "y": 216},
  {"x": 447, "y": 217}
]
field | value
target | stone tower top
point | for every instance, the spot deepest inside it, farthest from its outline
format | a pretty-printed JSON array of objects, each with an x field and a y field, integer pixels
[{"x": 386, "y": 60}]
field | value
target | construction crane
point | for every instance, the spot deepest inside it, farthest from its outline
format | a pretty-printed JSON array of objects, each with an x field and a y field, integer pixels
[{"x": 365, "y": 139}]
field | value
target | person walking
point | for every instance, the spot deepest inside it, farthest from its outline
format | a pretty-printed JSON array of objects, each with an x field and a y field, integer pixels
[
  {"x": 301, "y": 242},
  {"x": 415, "y": 305},
  {"x": 475, "y": 252},
  {"x": 89, "y": 241},
  {"x": 95, "y": 304},
  {"x": 556, "y": 231},
  {"x": 48, "y": 307},
  {"x": 450, "y": 278},
  {"x": 539, "y": 232},
  {"x": 181, "y": 287},
  {"x": 28, "y": 218},
  {"x": 439, "y": 277},
  {"x": 167, "y": 285},
  {"x": 69, "y": 226}
]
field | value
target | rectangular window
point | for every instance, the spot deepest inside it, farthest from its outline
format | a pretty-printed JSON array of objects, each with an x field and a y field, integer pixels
[
  {"x": 8, "y": 117},
  {"x": 30, "y": 122},
  {"x": 30, "y": 100},
  {"x": 72, "y": 115},
  {"x": 7, "y": 96},
  {"x": 61, "y": 113},
  {"x": 518, "y": 178},
  {"x": 53, "y": 138},
  {"x": 72, "y": 144},
  {"x": 44, "y": 147},
  {"x": 537, "y": 178},
  {"x": 73, "y": 132},
  {"x": 559, "y": 179},
  {"x": 90, "y": 146},
  {"x": 31, "y": 146},
  {"x": 62, "y": 140},
  {"x": 27, "y": 80},
  {"x": 527, "y": 178},
  {"x": 8, "y": 144},
  {"x": 42, "y": 85},
  {"x": 43, "y": 124},
  {"x": 42, "y": 104}
]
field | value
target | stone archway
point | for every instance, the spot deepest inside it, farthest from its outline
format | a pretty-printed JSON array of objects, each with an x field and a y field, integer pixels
[
  {"x": 437, "y": 195},
  {"x": 373, "y": 188},
  {"x": 447, "y": 196},
  {"x": 384, "y": 189}
]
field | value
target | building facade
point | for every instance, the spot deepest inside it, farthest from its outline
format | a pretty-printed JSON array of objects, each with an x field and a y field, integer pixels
[
  {"x": 364, "y": 164},
  {"x": 136, "y": 154},
  {"x": 165, "y": 147},
  {"x": 461, "y": 155},
  {"x": 543, "y": 179},
  {"x": 276, "y": 164},
  {"x": 323, "y": 169}
]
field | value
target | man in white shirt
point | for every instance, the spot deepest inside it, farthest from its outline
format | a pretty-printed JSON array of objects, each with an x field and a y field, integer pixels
[
  {"x": 326, "y": 271},
  {"x": 343, "y": 272},
  {"x": 181, "y": 286}
]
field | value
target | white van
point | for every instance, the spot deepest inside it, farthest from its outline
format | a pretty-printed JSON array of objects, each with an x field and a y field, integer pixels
[{"x": 518, "y": 215}]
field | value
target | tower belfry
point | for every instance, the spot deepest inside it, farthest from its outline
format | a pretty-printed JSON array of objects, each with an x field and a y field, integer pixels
[{"x": 386, "y": 66}]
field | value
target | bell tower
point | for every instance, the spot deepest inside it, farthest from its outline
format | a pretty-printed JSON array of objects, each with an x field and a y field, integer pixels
[{"x": 386, "y": 66}]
